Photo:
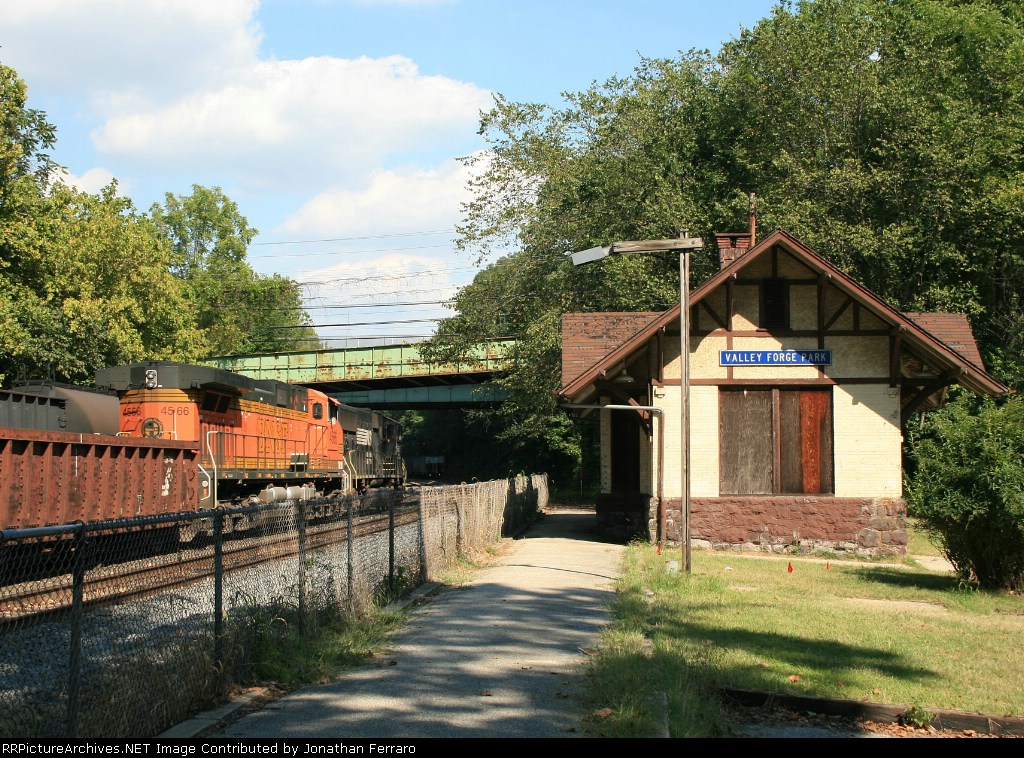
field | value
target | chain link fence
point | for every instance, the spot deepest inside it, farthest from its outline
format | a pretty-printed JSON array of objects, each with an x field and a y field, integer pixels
[{"x": 125, "y": 628}]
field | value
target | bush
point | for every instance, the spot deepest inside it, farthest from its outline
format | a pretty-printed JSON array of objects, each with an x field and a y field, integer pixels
[{"x": 967, "y": 487}]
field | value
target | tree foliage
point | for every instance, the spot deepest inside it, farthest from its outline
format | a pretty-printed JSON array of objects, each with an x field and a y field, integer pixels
[
  {"x": 84, "y": 279},
  {"x": 968, "y": 488},
  {"x": 87, "y": 281},
  {"x": 238, "y": 310},
  {"x": 887, "y": 135}
]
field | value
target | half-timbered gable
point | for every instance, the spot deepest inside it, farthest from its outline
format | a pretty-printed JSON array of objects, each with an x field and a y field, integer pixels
[{"x": 800, "y": 384}]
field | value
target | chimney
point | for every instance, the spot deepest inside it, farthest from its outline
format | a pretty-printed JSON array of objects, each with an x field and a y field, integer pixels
[{"x": 731, "y": 246}]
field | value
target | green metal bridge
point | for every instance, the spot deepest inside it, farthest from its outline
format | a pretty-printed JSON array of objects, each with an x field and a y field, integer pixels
[{"x": 383, "y": 377}]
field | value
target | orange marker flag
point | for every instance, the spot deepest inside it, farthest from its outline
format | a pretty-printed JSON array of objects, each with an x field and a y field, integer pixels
[
  {"x": 828, "y": 566},
  {"x": 790, "y": 569}
]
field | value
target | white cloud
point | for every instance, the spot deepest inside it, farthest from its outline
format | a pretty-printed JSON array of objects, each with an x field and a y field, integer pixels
[
  {"x": 427, "y": 199},
  {"x": 307, "y": 121},
  {"x": 115, "y": 48},
  {"x": 92, "y": 181},
  {"x": 176, "y": 93}
]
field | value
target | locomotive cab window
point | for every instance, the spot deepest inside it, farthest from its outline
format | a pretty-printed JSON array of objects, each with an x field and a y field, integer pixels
[{"x": 318, "y": 410}]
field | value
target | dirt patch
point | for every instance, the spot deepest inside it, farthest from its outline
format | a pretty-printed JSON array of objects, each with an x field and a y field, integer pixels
[
  {"x": 781, "y": 722},
  {"x": 906, "y": 605}
]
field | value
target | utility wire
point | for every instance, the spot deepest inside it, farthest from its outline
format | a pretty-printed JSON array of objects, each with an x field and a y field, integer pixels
[
  {"x": 349, "y": 239},
  {"x": 360, "y": 323},
  {"x": 306, "y": 254}
]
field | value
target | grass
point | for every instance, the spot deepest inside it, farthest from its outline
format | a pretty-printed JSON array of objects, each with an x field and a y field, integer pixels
[
  {"x": 876, "y": 632},
  {"x": 918, "y": 541},
  {"x": 288, "y": 658}
]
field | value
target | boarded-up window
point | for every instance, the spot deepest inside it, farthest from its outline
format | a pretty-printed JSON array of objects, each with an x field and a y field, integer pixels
[{"x": 776, "y": 441}]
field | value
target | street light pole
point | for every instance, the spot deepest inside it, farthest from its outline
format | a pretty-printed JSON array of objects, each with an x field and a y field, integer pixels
[
  {"x": 684, "y": 400},
  {"x": 683, "y": 245}
]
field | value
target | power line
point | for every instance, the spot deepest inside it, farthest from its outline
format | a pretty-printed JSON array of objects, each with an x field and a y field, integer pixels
[
  {"x": 306, "y": 254},
  {"x": 351, "y": 305},
  {"x": 359, "y": 323},
  {"x": 361, "y": 279},
  {"x": 350, "y": 239}
]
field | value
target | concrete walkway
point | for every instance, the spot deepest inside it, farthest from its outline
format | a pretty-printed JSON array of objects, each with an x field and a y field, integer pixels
[{"x": 501, "y": 657}]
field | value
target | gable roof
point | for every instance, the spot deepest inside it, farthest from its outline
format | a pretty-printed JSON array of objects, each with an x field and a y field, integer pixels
[
  {"x": 966, "y": 368},
  {"x": 953, "y": 329},
  {"x": 592, "y": 336}
]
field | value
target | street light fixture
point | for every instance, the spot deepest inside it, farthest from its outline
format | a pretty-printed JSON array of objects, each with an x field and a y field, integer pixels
[{"x": 682, "y": 245}]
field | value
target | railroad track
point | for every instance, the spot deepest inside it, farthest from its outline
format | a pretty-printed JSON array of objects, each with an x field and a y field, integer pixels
[{"x": 36, "y": 601}]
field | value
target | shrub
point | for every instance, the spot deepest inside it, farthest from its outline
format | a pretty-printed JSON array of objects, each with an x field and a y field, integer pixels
[{"x": 967, "y": 487}]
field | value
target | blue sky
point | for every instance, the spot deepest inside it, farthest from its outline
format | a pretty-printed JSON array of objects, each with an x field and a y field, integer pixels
[{"x": 334, "y": 124}]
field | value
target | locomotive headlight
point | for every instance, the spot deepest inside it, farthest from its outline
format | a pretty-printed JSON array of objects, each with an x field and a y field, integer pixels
[{"x": 151, "y": 379}]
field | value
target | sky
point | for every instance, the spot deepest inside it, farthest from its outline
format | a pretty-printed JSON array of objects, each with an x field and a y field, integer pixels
[{"x": 335, "y": 125}]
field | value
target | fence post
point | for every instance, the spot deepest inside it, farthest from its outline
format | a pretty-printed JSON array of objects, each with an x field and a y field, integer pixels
[
  {"x": 458, "y": 520},
  {"x": 351, "y": 556},
  {"x": 77, "y": 603},
  {"x": 300, "y": 520},
  {"x": 218, "y": 594},
  {"x": 391, "y": 543}
]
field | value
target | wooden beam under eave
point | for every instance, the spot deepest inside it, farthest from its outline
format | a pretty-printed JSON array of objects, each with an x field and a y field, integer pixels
[
  {"x": 659, "y": 373},
  {"x": 922, "y": 395},
  {"x": 823, "y": 280},
  {"x": 839, "y": 312},
  {"x": 642, "y": 417},
  {"x": 714, "y": 316},
  {"x": 617, "y": 394},
  {"x": 895, "y": 348},
  {"x": 730, "y": 301}
]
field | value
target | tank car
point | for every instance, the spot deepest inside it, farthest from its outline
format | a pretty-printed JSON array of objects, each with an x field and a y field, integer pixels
[
  {"x": 258, "y": 438},
  {"x": 87, "y": 410}
]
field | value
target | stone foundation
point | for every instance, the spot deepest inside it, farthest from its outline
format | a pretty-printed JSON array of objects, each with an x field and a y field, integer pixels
[{"x": 864, "y": 526}]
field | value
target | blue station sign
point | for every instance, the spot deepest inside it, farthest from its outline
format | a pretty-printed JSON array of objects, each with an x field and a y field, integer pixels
[{"x": 775, "y": 358}]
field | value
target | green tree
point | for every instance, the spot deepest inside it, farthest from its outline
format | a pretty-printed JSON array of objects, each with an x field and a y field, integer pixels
[
  {"x": 623, "y": 161},
  {"x": 92, "y": 289},
  {"x": 84, "y": 280},
  {"x": 968, "y": 488},
  {"x": 887, "y": 135},
  {"x": 239, "y": 310}
]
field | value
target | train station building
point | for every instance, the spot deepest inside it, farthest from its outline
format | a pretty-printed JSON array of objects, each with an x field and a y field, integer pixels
[{"x": 801, "y": 382}]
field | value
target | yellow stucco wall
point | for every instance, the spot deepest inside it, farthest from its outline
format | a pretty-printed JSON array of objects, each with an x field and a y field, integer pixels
[
  {"x": 868, "y": 441},
  {"x": 747, "y": 301},
  {"x": 704, "y": 443},
  {"x": 704, "y": 362}
]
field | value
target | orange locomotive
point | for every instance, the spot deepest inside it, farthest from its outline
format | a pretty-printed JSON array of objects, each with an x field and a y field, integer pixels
[{"x": 260, "y": 439}]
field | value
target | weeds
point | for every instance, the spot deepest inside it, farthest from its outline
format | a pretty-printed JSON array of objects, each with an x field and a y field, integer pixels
[{"x": 917, "y": 717}]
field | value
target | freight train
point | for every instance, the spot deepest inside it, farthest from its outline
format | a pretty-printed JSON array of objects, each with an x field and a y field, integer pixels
[{"x": 164, "y": 437}]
